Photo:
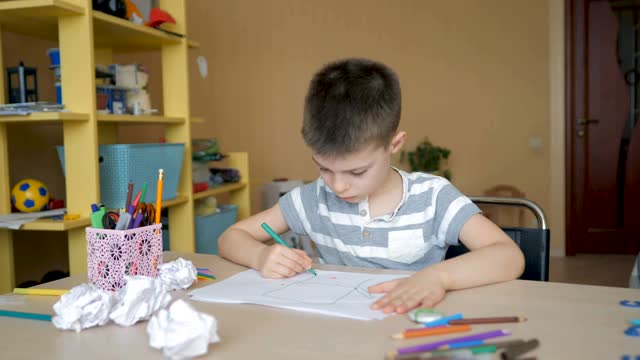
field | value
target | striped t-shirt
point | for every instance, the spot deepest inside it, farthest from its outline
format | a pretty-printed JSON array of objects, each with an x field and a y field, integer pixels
[{"x": 416, "y": 234}]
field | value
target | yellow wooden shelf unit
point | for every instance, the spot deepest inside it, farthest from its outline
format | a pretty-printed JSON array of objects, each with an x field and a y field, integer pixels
[
  {"x": 44, "y": 117},
  {"x": 57, "y": 225},
  {"x": 223, "y": 189},
  {"x": 84, "y": 38},
  {"x": 139, "y": 119},
  {"x": 40, "y": 18}
]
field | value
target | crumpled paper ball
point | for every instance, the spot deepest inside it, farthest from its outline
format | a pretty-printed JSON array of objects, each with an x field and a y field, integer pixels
[
  {"x": 139, "y": 299},
  {"x": 181, "y": 332},
  {"x": 84, "y": 306},
  {"x": 178, "y": 274}
]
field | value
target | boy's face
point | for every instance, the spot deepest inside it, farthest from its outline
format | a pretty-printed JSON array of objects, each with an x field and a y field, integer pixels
[{"x": 356, "y": 176}]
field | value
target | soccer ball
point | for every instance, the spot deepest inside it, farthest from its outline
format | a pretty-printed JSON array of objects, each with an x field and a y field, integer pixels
[{"x": 29, "y": 195}]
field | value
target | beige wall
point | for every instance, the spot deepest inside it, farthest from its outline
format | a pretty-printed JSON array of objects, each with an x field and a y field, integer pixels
[
  {"x": 480, "y": 77},
  {"x": 475, "y": 78}
]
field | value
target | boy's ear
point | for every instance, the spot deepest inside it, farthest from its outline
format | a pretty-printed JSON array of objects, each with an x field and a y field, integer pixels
[{"x": 398, "y": 141}]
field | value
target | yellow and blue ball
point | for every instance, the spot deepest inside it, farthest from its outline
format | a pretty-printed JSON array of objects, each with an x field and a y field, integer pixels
[{"x": 29, "y": 195}]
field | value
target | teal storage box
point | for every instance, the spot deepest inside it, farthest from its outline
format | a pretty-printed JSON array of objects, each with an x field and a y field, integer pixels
[
  {"x": 210, "y": 227},
  {"x": 120, "y": 163}
]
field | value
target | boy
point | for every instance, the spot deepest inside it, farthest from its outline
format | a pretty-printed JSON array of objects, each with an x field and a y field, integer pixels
[{"x": 364, "y": 212}]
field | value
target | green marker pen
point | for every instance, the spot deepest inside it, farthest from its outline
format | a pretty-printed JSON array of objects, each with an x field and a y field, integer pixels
[{"x": 96, "y": 216}]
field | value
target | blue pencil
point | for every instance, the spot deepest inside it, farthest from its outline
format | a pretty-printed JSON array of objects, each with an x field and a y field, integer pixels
[
  {"x": 25, "y": 315},
  {"x": 443, "y": 321},
  {"x": 280, "y": 241}
]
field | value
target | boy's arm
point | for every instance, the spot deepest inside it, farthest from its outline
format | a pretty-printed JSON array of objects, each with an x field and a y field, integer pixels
[
  {"x": 494, "y": 257},
  {"x": 243, "y": 243}
]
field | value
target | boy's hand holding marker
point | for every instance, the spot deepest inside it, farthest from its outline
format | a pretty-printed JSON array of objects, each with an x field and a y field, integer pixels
[{"x": 278, "y": 261}]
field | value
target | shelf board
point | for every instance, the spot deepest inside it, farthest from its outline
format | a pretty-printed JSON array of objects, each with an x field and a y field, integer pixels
[
  {"x": 120, "y": 34},
  {"x": 197, "y": 120},
  {"x": 140, "y": 119},
  {"x": 56, "y": 225},
  {"x": 37, "y": 18},
  {"x": 192, "y": 44},
  {"x": 175, "y": 201},
  {"x": 44, "y": 117},
  {"x": 219, "y": 190},
  {"x": 46, "y": 8}
]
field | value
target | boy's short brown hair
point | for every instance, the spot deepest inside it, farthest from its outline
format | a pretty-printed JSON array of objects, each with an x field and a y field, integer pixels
[{"x": 351, "y": 103}]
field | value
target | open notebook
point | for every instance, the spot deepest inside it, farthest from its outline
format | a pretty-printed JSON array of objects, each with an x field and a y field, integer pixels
[{"x": 332, "y": 293}]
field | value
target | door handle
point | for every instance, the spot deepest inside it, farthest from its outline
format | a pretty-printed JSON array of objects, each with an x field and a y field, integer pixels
[{"x": 583, "y": 121}]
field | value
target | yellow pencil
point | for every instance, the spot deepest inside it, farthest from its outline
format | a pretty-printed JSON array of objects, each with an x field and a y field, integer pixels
[
  {"x": 42, "y": 292},
  {"x": 159, "y": 195}
]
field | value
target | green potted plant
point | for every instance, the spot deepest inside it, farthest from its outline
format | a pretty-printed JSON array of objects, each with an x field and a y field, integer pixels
[{"x": 428, "y": 158}]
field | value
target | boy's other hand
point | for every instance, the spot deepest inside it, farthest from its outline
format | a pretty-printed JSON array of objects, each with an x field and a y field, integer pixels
[
  {"x": 423, "y": 289},
  {"x": 277, "y": 261}
]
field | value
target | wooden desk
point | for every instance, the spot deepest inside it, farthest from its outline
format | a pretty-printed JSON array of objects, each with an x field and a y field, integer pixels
[{"x": 571, "y": 322}]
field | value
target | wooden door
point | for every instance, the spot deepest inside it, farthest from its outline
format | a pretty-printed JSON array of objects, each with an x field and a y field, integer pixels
[{"x": 603, "y": 139}]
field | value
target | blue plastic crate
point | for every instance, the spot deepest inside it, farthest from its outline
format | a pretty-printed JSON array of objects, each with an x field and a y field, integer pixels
[
  {"x": 210, "y": 227},
  {"x": 120, "y": 163}
]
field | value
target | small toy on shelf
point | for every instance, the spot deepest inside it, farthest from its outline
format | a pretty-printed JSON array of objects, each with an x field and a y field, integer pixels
[{"x": 30, "y": 195}]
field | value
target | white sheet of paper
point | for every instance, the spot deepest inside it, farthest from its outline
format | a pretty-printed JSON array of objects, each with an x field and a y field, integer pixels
[
  {"x": 14, "y": 221},
  {"x": 332, "y": 293}
]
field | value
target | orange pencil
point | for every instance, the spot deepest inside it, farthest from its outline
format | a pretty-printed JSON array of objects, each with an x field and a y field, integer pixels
[
  {"x": 407, "y": 334},
  {"x": 159, "y": 195}
]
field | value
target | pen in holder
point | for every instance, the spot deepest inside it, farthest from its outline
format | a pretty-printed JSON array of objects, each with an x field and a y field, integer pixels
[{"x": 112, "y": 254}]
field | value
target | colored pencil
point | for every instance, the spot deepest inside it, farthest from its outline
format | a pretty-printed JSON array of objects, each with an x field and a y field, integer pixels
[
  {"x": 129, "y": 194},
  {"x": 25, "y": 315},
  {"x": 514, "y": 352},
  {"x": 488, "y": 320},
  {"x": 438, "y": 344},
  {"x": 446, "y": 320},
  {"x": 462, "y": 353},
  {"x": 468, "y": 345},
  {"x": 472, "y": 344},
  {"x": 43, "y": 292},
  {"x": 279, "y": 240},
  {"x": 144, "y": 192},
  {"x": 159, "y": 195},
  {"x": 209, "y": 276},
  {"x": 413, "y": 333}
]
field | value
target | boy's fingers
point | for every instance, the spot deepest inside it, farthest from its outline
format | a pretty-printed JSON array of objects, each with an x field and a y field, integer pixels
[
  {"x": 290, "y": 264},
  {"x": 303, "y": 260},
  {"x": 302, "y": 254},
  {"x": 383, "y": 287},
  {"x": 381, "y": 303},
  {"x": 282, "y": 270}
]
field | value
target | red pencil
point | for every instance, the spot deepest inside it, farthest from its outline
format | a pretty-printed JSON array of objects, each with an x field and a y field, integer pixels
[{"x": 411, "y": 333}]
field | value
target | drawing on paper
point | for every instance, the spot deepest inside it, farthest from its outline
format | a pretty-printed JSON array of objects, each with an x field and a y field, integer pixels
[{"x": 326, "y": 290}]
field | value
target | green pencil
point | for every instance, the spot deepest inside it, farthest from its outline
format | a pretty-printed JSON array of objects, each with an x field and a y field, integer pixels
[
  {"x": 280, "y": 241},
  {"x": 144, "y": 192},
  {"x": 25, "y": 315}
]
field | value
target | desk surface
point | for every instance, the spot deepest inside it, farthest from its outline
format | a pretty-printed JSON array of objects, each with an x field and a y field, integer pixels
[{"x": 571, "y": 322}]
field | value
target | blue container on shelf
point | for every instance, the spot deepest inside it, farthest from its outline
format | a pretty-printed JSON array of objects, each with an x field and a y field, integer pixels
[
  {"x": 54, "y": 56},
  {"x": 120, "y": 163},
  {"x": 209, "y": 228},
  {"x": 58, "y": 93}
]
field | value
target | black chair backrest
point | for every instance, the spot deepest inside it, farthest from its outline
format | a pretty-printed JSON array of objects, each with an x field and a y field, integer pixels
[{"x": 534, "y": 243}]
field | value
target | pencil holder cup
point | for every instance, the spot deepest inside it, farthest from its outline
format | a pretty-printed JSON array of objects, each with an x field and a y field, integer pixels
[{"x": 112, "y": 254}]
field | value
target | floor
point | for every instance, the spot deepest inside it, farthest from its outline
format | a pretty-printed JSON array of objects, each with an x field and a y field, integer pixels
[{"x": 589, "y": 269}]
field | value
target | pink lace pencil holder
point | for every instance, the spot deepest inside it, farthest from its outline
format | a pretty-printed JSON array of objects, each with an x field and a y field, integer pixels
[{"x": 112, "y": 254}]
